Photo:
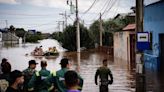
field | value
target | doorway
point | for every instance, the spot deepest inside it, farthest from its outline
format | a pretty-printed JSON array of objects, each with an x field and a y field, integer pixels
[{"x": 132, "y": 50}]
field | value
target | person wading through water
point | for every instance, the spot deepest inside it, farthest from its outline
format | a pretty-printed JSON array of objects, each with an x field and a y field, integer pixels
[{"x": 103, "y": 72}]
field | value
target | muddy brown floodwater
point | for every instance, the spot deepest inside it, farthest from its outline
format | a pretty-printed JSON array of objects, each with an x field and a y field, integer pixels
[{"x": 85, "y": 63}]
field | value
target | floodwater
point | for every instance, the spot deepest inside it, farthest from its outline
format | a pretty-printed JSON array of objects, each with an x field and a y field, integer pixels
[{"x": 85, "y": 63}]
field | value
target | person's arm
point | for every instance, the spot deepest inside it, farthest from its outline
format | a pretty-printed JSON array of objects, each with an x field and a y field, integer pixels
[
  {"x": 111, "y": 76},
  {"x": 81, "y": 82},
  {"x": 31, "y": 83},
  {"x": 96, "y": 76}
]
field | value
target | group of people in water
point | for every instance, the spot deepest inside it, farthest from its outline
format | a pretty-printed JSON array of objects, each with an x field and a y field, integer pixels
[
  {"x": 44, "y": 80},
  {"x": 38, "y": 51}
]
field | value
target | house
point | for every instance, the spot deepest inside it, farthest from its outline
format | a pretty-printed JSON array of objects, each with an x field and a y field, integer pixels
[
  {"x": 154, "y": 24},
  {"x": 124, "y": 44},
  {"x": 7, "y": 37}
]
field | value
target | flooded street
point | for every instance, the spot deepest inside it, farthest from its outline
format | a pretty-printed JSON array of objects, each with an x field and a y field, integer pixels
[{"x": 85, "y": 63}]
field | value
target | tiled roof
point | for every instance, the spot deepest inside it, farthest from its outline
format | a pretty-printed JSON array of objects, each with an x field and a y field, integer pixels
[{"x": 129, "y": 27}]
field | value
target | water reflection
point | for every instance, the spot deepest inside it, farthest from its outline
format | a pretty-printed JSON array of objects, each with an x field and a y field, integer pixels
[{"x": 85, "y": 63}]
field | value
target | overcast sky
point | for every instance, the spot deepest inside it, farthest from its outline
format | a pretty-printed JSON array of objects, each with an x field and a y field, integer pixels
[{"x": 42, "y": 15}]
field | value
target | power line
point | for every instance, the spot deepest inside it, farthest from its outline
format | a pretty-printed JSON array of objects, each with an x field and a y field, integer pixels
[
  {"x": 107, "y": 3},
  {"x": 42, "y": 24},
  {"x": 90, "y": 7},
  {"x": 116, "y": 9},
  {"x": 94, "y": 2},
  {"x": 108, "y": 8}
]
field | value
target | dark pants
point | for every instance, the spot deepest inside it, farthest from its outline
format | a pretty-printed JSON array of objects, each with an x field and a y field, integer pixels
[{"x": 103, "y": 88}]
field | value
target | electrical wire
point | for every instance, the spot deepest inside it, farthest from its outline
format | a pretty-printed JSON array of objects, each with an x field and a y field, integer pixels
[
  {"x": 41, "y": 24},
  {"x": 90, "y": 7},
  {"x": 116, "y": 9},
  {"x": 107, "y": 3}
]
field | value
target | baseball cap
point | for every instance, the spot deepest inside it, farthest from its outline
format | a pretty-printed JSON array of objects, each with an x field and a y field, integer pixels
[{"x": 32, "y": 62}]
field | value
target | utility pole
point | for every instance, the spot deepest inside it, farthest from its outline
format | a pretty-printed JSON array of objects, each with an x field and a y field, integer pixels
[
  {"x": 6, "y": 23},
  {"x": 65, "y": 18},
  {"x": 62, "y": 25},
  {"x": 77, "y": 28},
  {"x": 101, "y": 28},
  {"x": 140, "y": 76},
  {"x": 59, "y": 24}
]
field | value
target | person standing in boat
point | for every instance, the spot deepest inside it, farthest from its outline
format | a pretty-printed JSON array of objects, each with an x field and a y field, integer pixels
[{"x": 40, "y": 51}]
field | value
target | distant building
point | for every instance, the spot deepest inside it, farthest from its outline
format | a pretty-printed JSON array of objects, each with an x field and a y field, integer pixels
[
  {"x": 124, "y": 44},
  {"x": 154, "y": 23},
  {"x": 31, "y": 31},
  {"x": 8, "y": 37}
]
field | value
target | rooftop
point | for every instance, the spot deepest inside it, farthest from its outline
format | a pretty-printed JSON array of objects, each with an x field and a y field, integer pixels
[{"x": 129, "y": 27}]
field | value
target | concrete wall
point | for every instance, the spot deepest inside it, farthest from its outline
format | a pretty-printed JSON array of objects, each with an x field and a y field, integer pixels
[
  {"x": 154, "y": 22},
  {"x": 10, "y": 38},
  {"x": 121, "y": 49}
]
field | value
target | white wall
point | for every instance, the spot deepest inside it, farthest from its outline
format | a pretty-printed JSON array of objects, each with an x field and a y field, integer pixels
[{"x": 121, "y": 49}]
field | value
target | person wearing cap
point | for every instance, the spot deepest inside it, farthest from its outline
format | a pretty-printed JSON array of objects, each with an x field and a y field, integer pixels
[
  {"x": 17, "y": 79},
  {"x": 60, "y": 76},
  {"x": 40, "y": 80},
  {"x": 104, "y": 72},
  {"x": 28, "y": 73}
]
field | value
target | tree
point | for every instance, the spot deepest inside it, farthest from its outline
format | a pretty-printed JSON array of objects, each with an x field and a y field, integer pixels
[
  {"x": 57, "y": 35},
  {"x": 68, "y": 38},
  {"x": 12, "y": 28},
  {"x": 20, "y": 32},
  {"x": 94, "y": 32}
]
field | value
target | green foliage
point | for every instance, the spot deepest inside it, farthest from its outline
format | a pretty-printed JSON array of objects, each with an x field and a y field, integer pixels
[
  {"x": 110, "y": 26},
  {"x": 58, "y": 36},
  {"x": 20, "y": 32},
  {"x": 107, "y": 39},
  {"x": 85, "y": 39},
  {"x": 34, "y": 37},
  {"x": 68, "y": 38},
  {"x": 94, "y": 32},
  {"x": 11, "y": 28}
]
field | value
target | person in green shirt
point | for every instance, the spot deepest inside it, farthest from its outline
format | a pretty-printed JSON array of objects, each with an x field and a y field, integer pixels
[
  {"x": 60, "y": 76},
  {"x": 40, "y": 80},
  {"x": 28, "y": 73},
  {"x": 104, "y": 72}
]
